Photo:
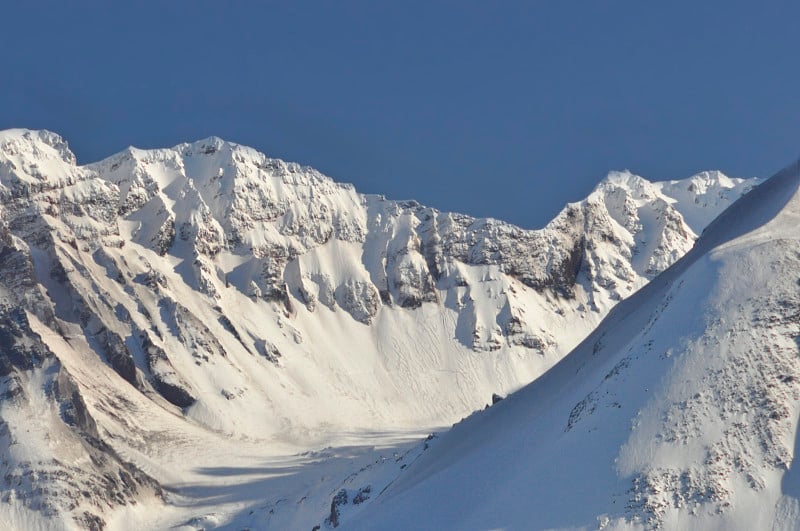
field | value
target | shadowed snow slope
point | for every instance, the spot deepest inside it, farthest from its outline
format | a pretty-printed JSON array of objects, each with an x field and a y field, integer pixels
[
  {"x": 680, "y": 410},
  {"x": 208, "y": 301}
]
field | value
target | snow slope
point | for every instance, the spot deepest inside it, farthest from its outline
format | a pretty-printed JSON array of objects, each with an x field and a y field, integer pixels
[
  {"x": 679, "y": 411},
  {"x": 206, "y": 300}
]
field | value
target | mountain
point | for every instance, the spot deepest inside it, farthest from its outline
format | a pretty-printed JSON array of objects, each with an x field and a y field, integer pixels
[
  {"x": 206, "y": 300},
  {"x": 680, "y": 411}
]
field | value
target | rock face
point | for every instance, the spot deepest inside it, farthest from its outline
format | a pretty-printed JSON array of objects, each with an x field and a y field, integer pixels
[{"x": 260, "y": 298}]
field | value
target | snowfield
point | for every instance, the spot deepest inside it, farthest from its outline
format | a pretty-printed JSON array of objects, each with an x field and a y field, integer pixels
[{"x": 202, "y": 337}]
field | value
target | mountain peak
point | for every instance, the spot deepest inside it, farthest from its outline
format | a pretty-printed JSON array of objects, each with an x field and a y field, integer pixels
[
  {"x": 207, "y": 146},
  {"x": 38, "y": 144}
]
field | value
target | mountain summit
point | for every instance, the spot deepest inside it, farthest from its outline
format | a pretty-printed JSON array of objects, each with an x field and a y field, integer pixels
[{"x": 206, "y": 299}]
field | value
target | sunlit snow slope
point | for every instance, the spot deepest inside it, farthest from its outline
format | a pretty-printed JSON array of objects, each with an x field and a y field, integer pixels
[
  {"x": 206, "y": 300},
  {"x": 679, "y": 411}
]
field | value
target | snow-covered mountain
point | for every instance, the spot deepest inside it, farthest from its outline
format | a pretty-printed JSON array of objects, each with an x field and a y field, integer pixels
[
  {"x": 206, "y": 300},
  {"x": 680, "y": 411}
]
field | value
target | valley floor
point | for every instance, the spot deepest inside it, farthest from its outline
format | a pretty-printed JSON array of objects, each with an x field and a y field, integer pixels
[{"x": 244, "y": 485}]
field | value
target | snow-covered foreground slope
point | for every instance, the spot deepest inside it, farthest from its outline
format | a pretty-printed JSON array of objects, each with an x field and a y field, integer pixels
[
  {"x": 680, "y": 410},
  {"x": 178, "y": 326}
]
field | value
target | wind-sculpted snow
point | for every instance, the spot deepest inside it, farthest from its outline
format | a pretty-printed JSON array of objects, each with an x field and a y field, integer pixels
[{"x": 205, "y": 297}]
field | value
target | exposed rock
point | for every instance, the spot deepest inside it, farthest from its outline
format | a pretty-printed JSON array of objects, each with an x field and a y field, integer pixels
[
  {"x": 338, "y": 500},
  {"x": 17, "y": 351},
  {"x": 165, "y": 379},
  {"x": 117, "y": 354},
  {"x": 360, "y": 299}
]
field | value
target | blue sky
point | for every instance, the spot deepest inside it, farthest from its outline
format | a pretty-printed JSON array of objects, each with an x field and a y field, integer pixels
[{"x": 503, "y": 109}]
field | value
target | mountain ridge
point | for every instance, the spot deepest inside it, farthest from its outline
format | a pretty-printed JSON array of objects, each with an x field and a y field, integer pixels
[
  {"x": 237, "y": 301},
  {"x": 678, "y": 411}
]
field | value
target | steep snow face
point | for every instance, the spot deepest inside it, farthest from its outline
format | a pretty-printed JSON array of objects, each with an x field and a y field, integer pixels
[
  {"x": 193, "y": 296},
  {"x": 679, "y": 411}
]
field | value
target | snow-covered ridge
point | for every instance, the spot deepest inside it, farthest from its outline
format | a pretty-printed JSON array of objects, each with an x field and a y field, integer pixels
[
  {"x": 680, "y": 411},
  {"x": 206, "y": 292}
]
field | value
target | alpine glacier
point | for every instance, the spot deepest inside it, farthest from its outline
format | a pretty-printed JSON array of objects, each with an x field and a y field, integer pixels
[{"x": 206, "y": 301}]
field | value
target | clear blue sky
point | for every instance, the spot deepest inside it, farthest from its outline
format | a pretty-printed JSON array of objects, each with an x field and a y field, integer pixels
[{"x": 503, "y": 109}]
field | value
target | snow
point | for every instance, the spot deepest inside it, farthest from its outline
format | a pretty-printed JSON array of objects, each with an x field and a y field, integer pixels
[
  {"x": 679, "y": 411},
  {"x": 295, "y": 314}
]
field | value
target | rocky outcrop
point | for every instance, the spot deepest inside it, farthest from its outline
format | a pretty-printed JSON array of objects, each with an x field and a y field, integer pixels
[{"x": 166, "y": 380}]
